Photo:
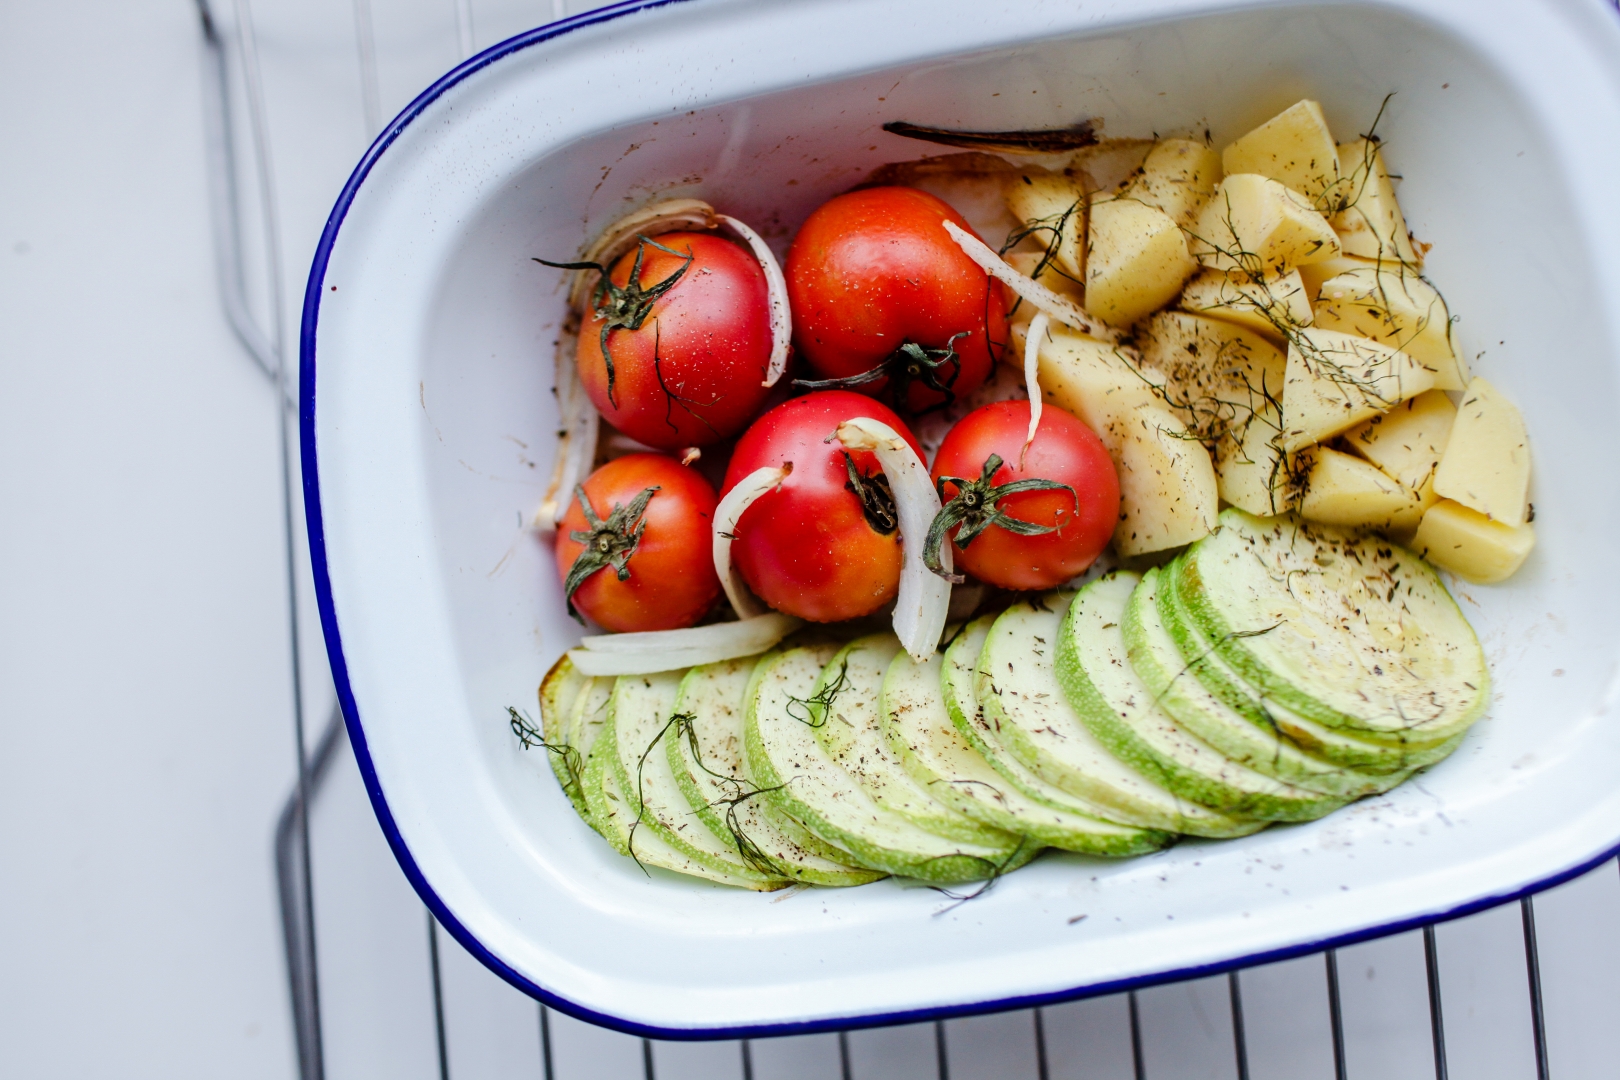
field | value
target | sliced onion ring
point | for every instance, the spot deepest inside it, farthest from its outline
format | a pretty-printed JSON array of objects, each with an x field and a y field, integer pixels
[
  {"x": 925, "y": 597},
  {"x": 726, "y": 516},
  {"x": 1062, "y": 309},
  {"x": 576, "y": 448},
  {"x": 776, "y": 284},
  {"x": 1032, "y": 376},
  {"x": 672, "y": 215},
  {"x": 667, "y": 650}
]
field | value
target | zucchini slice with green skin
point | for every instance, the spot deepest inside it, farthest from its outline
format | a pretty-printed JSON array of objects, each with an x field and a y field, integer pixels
[
  {"x": 558, "y": 692},
  {"x": 602, "y": 807},
  {"x": 1023, "y": 700},
  {"x": 1170, "y": 678},
  {"x": 922, "y": 736},
  {"x": 1112, "y": 700},
  {"x": 958, "y": 682},
  {"x": 1389, "y": 764},
  {"x": 788, "y": 761},
  {"x": 614, "y": 821},
  {"x": 1347, "y": 630},
  {"x": 847, "y": 713},
  {"x": 706, "y": 755},
  {"x": 643, "y": 711}
]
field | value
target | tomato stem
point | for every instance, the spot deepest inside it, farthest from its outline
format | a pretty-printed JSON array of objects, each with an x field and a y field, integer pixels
[
  {"x": 625, "y": 307},
  {"x": 607, "y": 543},
  {"x": 976, "y": 507},
  {"x": 908, "y": 364}
]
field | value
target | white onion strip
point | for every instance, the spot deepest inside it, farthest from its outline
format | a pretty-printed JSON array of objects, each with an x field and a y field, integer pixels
[
  {"x": 1060, "y": 308},
  {"x": 672, "y": 215},
  {"x": 1032, "y": 376},
  {"x": 726, "y": 516},
  {"x": 576, "y": 449},
  {"x": 667, "y": 650},
  {"x": 776, "y": 285},
  {"x": 925, "y": 597}
]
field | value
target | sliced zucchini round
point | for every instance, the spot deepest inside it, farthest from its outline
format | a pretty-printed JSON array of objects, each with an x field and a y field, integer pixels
[
  {"x": 1389, "y": 762},
  {"x": 643, "y": 709},
  {"x": 786, "y": 759},
  {"x": 558, "y": 692},
  {"x": 706, "y": 756},
  {"x": 925, "y": 741},
  {"x": 1348, "y": 630},
  {"x": 1170, "y": 677},
  {"x": 1024, "y": 702},
  {"x": 1116, "y": 705},
  {"x": 847, "y": 715}
]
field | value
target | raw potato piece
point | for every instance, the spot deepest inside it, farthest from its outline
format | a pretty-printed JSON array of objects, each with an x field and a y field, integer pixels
[
  {"x": 1028, "y": 263},
  {"x": 1471, "y": 545},
  {"x": 1486, "y": 466},
  {"x": 1214, "y": 374},
  {"x": 1269, "y": 305},
  {"x": 1370, "y": 223},
  {"x": 1408, "y": 441},
  {"x": 1390, "y": 304},
  {"x": 1257, "y": 225},
  {"x": 1137, "y": 261},
  {"x": 1054, "y": 206},
  {"x": 1344, "y": 490},
  {"x": 1315, "y": 274},
  {"x": 1335, "y": 381},
  {"x": 1253, "y": 473},
  {"x": 1091, "y": 379},
  {"x": 1294, "y": 147},
  {"x": 1178, "y": 177},
  {"x": 1167, "y": 491},
  {"x": 1404, "y": 525}
]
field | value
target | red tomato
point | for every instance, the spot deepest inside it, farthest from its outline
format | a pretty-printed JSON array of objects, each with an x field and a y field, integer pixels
[
  {"x": 878, "y": 288},
  {"x": 1076, "y": 523},
  {"x": 651, "y": 563},
  {"x": 812, "y": 547},
  {"x": 688, "y": 363}
]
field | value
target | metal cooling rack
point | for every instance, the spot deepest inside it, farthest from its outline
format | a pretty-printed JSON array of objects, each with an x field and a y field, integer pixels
[{"x": 248, "y": 224}]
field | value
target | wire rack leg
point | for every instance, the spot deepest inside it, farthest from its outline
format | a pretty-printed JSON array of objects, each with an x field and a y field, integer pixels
[
  {"x": 845, "y": 1070},
  {"x": 1138, "y": 1063},
  {"x": 1043, "y": 1070},
  {"x": 647, "y": 1060},
  {"x": 1336, "y": 1015},
  {"x": 547, "y": 1069},
  {"x": 438, "y": 998},
  {"x": 1240, "y": 1039},
  {"x": 942, "y": 1058},
  {"x": 747, "y": 1050},
  {"x": 1532, "y": 963},
  {"x": 1437, "y": 1024}
]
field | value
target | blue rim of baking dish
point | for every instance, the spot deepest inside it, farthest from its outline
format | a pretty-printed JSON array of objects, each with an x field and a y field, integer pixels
[{"x": 357, "y": 735}]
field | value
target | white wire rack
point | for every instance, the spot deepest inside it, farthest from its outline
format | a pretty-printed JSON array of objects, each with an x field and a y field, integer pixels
[{"x": 292, "y": 91}]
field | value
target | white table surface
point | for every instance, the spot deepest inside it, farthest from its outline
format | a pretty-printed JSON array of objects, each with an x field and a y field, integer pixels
[{"x": 145, "y": 698}]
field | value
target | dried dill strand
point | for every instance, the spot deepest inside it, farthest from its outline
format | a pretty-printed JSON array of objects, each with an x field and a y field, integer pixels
[
  {"x": 530, "y": 737},
  {"x": 813, "y": 710}
]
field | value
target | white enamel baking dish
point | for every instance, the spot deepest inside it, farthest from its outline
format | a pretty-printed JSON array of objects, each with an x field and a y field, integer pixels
[{"x": 428, "y": 428}]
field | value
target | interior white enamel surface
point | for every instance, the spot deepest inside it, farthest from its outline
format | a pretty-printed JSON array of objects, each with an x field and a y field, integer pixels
[{"x": 435, "y": 428}]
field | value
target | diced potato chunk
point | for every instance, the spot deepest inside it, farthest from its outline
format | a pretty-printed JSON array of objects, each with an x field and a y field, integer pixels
[
  {"x": 1294, "y": 147},
  {"x": 1091, "y": 379},
  {"x": 1486, "y": 465},
  {"x": 1403, "y": 526},
  {"x": 1408, "y": 441},
  {"x": 1268, "y": 305},
  {"x": 1335, "y": 381},
  {"x": 1167, "y": 490},
  {"x": 1052, "y": 208},
  {"x": 1313, "y": 275},
  {"x": 1051, "y": 275},
  {"x": 1471, "y": 545},
  {"x": 1214, "y": 374},
  {"x": 1252, "y": 471},
  {"x": 1168, "y": 493},
  {"x": 1369, "y": 220},
  {"x": 1389, "y": 303},
  {"x": 1178, "y": 177},
  {"x": 1344, "y": 490},
  {"x": 1137, "y": 263},
  {"x": 1254, "y": 224}
]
